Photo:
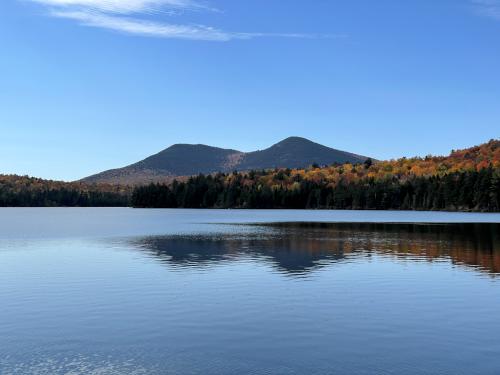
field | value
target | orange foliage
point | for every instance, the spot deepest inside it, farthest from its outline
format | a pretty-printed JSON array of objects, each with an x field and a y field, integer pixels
[{"x": 471, "y": 159}]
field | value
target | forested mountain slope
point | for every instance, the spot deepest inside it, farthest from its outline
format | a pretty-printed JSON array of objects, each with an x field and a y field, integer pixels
[{"x": 466, "y": 180}]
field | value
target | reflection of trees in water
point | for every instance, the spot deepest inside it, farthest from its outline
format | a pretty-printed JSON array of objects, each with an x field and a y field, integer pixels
[{"x": 298, "y": 248}]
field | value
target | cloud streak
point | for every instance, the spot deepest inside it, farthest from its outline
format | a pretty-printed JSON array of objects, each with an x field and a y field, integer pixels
[
  {"x": 146, "y": 28},
  {"x": 121, "y": 6},
  {"x": 130, "y": 17}
]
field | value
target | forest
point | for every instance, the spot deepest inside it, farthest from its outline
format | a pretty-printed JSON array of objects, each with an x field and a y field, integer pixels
[
  {"x": 467, "y": 180},
  {"x": 23, "y": 191}
]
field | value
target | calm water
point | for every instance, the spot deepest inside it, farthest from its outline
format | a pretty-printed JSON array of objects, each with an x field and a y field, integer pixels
[{"x": 122, "y": 291}]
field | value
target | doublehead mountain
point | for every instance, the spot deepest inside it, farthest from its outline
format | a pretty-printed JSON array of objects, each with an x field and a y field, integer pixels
[{"x": 187, "y": 160}]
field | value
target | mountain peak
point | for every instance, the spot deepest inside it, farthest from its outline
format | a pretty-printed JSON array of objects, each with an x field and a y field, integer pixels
[
  {"x": 294, "y": 141},
  {"x": 189, "y": 146},
  {"x": 191, "y": 159}
]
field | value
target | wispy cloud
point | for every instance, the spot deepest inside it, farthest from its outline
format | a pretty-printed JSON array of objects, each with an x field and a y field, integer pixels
[
  {"x": 489, "y": 8},
  {"x": 122, "y": 6},
  {"x": 146, "y": 28},
  {"x": 131, "y": 17}
]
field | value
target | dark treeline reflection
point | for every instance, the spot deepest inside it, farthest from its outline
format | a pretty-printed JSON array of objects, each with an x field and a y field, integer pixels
[{"x": 302, "y": 247}]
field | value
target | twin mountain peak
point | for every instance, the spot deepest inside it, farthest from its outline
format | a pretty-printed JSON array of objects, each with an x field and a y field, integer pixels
[{"x": 187, "y": 160}]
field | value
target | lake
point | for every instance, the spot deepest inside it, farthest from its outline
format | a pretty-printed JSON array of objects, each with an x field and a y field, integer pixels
[{"x": 124, "y": 291}]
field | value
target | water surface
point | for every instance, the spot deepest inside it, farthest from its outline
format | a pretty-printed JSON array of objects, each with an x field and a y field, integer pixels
[{"x": 121, "y": 291}]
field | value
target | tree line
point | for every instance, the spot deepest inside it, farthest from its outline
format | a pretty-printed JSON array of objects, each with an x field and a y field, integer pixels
[
  {"x": 22, "y": 191},
  {"x": 467, "y": 191},
  {"x": 465, "y": 180}
]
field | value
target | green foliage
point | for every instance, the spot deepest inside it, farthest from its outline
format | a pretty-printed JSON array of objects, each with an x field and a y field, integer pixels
[
  {"x": 468, "y": 191},
  {"x": 17, "y": 191}
]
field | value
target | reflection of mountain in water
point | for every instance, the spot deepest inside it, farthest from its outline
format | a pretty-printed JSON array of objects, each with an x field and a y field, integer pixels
[
  {"x": 299, "y": 247},
  {"x": 286, "y": 253}
]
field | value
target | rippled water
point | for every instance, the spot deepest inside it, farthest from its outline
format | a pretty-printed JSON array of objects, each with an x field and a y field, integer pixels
[{"x": 119, "y": 291}]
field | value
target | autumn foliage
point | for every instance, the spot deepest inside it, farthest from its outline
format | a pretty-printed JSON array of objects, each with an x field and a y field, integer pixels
[
  {"x": 465, "y": 180},
  {"x": 19, "y": 191}
]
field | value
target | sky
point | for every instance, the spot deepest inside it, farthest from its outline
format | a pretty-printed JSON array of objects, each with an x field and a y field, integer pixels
[{"x": 89, "y": 85}]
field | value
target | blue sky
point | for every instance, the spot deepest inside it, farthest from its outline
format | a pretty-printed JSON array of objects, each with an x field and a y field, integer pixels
[{"x": 87, "y": 85}]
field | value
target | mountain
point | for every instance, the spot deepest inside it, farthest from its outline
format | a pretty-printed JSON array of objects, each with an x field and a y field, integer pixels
[
  {"x": 466, "y": 180},
  {"x": 187, "y": 160},
  {"x": 296, "y": 152}
]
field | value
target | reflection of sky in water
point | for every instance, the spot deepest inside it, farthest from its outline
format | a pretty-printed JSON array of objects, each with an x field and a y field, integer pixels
[
  {"x": 25, "y": 223},
  {"x": 76, "y": 365},
  {"x": 266, "y": 299}
]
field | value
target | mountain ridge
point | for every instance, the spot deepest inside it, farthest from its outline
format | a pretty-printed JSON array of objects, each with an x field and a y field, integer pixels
[{"x": 182, "y": 159}]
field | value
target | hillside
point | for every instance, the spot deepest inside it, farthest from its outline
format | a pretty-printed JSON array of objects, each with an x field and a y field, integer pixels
[
  {"x": 187, "y": 160},
  {"x": 466, "y": 180}
]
